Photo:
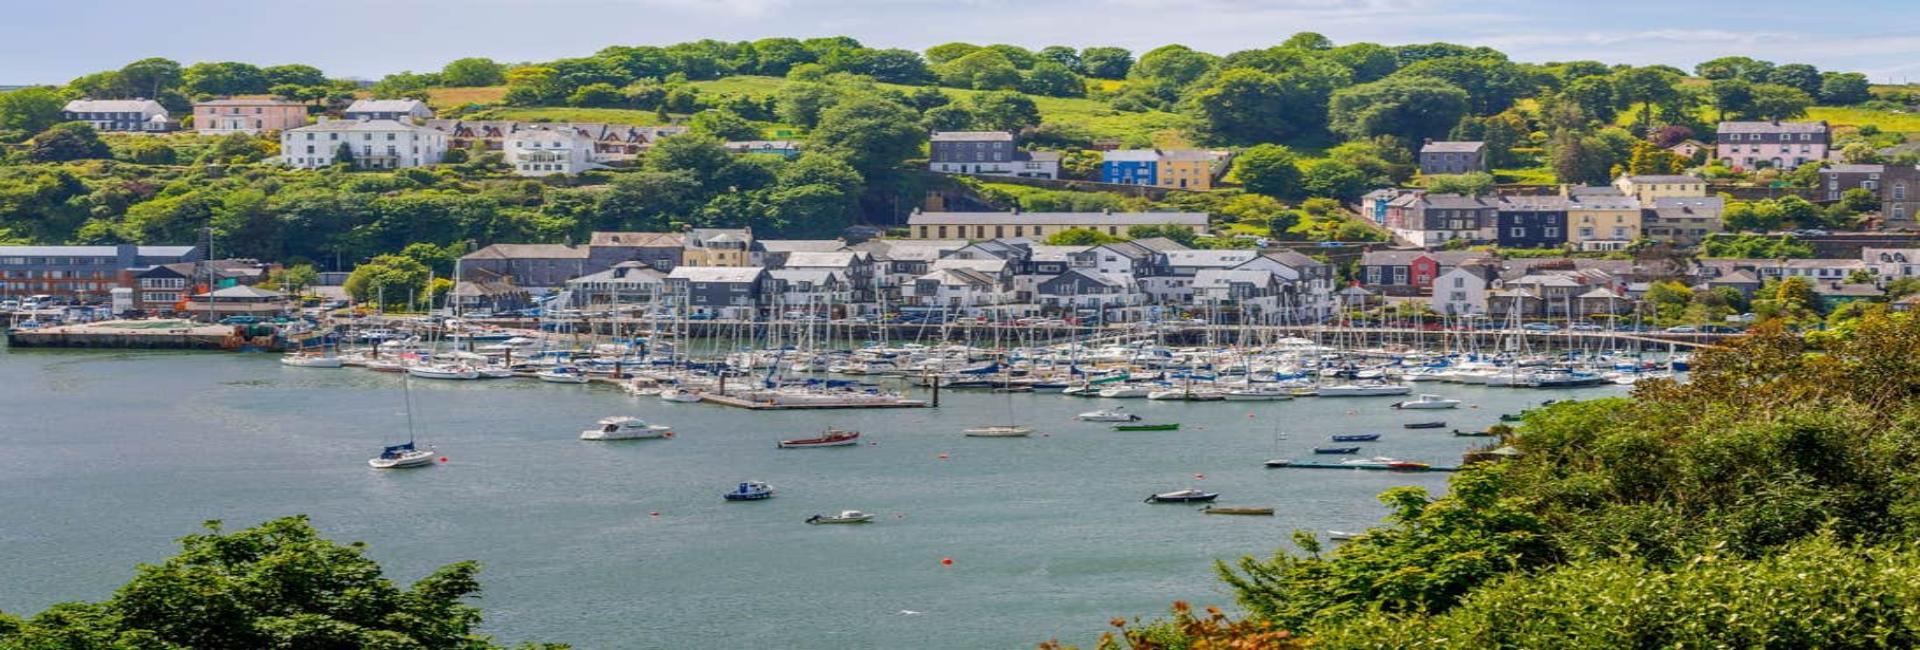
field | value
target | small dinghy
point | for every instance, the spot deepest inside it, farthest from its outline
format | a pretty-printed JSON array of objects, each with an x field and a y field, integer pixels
[
  {"x": 845, "y": 517},
  {"x": 750, "y": 491},
  {"x": 1184, "y": 496},
  {"x": 1174, "y": 426},
  {"x": 1009, "y": 431},
  {"x": 1424, "y": 425},
  {"x": 1336, "y": 450},
  {"x": 1356, "y": 437},
  {"x": 832, "y": 438},
  {"x": 1230, "y": 510},
  {"x": 1107, "y": 415}
]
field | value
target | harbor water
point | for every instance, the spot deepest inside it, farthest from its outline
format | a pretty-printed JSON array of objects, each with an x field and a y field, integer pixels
[{"x": 106, "y": 458}]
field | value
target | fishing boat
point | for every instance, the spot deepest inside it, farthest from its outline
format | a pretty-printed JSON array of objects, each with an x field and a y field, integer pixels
[
  {"x": 1231, "y": 510},
  {"x": 1336, "y": 450},
  {"x": 1364, "y": 390},
  {"x": 1425, "y": 425},
  {"x": 999, "y": 431},
  {"x": 1184, "y": 496},
  {"x": 680, "y": 395},
  {"x": 832, "y": 438},
  {"x": 1473, "y": 434},
  {"x": 1428, "y": 402},
  {"x": 1107, "y": 415},
  {"x": 562, "y": 375},
  {"x": 626, "y": 428},
  {"x": 1265, "y": 393},
  {"x": 750, "y": 491},
  {"x": 311, "y": 361},
  {"x": 1172, "y": 426},
  {"x": 845, "y": 517},
  {"x": 443, "y": 372},
  {"x": 1356, "y": 437}
]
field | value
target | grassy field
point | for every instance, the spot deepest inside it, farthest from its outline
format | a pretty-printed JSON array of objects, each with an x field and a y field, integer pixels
[
  {"x": 445, "y": 98},
  {"x": 1849, "y": 116},
  {"x": 1100, "y": 121}
]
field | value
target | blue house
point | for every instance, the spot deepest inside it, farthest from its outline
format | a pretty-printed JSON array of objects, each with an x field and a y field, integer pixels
[{"x": 1131, "y": 167}]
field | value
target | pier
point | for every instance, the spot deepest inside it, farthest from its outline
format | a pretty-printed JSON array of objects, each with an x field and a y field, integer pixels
[{"x": 143, "y": 335}]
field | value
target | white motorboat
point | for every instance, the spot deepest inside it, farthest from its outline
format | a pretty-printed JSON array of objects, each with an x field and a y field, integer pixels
[
  {"x": 1187, "y": 395},
  {"x": 496, "y": 372},
  {"x": 402, "y": 456},
  {"x": 562, "y": 375},
  {"x": 680, "y": 395},
  {"x": 311, "y": 361},
  {"x": 1194, "y": 495},
  {"x": 1000, "y": 431},
  {"x": 845, "y": 517},
  {"x": 626, "y": 428},
  {"x": 1428, "y": 402},
  {"x": 443, "y": 372},
  {"x": 1125, "y": 392},
  {"x": 1263, "y": 393},
  {"x": 1364, "y": 390},
  {"x": 1107, "y": 415}
]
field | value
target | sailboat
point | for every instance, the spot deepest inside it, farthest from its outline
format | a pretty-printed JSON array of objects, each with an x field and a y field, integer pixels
[
  {"x": 1010, "y": 429},
  {"x": 406, "y": 454}
]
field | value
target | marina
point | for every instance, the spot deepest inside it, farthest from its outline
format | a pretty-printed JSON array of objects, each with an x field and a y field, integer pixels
[{"x": 601, "y": 544}]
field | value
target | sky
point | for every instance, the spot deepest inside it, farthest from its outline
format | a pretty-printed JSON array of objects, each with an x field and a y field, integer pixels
[{"x": 53, "y": 42}]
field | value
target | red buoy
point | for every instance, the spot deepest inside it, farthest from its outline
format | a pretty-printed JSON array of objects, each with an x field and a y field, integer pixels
[
  {"x": 656, "y": 514},
  {"x": 1200, "y": 476},
  {"x": 946, "y": 561},
  {"x": 443, "y": 459},
  {"x": 943, "y": 456}
]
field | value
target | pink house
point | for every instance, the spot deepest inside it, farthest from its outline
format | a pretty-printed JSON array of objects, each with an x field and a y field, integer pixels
[{"x": 254, "y": 116}]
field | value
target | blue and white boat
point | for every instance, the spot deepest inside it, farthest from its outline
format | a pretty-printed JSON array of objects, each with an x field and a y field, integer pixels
[
  {"x": 1357, "y": 437},
  {"x": 750, "y": 491},
  {"x": 400, "y": 456}
]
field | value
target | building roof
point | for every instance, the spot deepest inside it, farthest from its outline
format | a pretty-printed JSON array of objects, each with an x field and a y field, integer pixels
[
  {"x": 243, "y": 292},
  {"x": 384, "y": 105},
  {"x": 1847, "y": 289},
  {"x": 1037, "y": 156},
  {"x": 1057, "y": 218},
  {"x": 802, "y": 245},
  {"x": 1674, "y": 208},
  {"x": 732, "y": 274},
  {"x": 1854, "y": 169},
  {"x": 1669, "y": 179},
  {"x": 342, "y": 126},
  {"x": 93, "y": 251},
  {"x": 1537, "y": 203},
  {"x": 1595, "y": 198},
  {"x": 1773, "y": 127},
  {"x": 822, "y": 259},
  {"x": 1130, "y": 155},
  {"x": 1453, "y": 147},
  {"x": 529, "y": 252},
  {"x": 1223, "y": 277},
  {"x": 1159, "y": 244},
  {"x": 816, "y": 276},
  {"x": 1045, "y": 253},
  {"x": 995, "y": 266},
  {"x": 1599, "y": 293},
  {"x": 1192, "y": 155},
  {"x": 641, "y": 239},
  {"x": 1292, "y": 258},
  {"x": 1210, "y": 258},
  {"x": 1822, "y": 264},
  {"x": 1736, "y": 276},
  {"x": 959, "y": 276},
  {"x": 1444, "y": 201},
  {"x": 971, "y": 136},
  {"x": 245, "y": 101},
  {"x": 1545, "y": 280},
  {"x": 114, "y": 106},
  {"x": 920, "y": 250}
]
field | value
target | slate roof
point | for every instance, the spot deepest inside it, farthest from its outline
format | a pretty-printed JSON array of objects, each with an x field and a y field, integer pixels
[
  {"x": 1057, "y": 218},
  {"x": 529, "y": 251},
  {"x": 1453, "y": 147},
  {"x": 115, "y": 106},
  {"x": 92, "y": 251},
  {"x": 731, "y": 274},
  {"x": 1773, "y": 127},
  {"x": 383, "y": 105},
  {"x": 970, "y": 136},
  {"x": 642, "y": 239}
]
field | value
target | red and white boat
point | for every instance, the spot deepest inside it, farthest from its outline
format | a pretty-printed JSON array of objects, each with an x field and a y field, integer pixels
[{"x": 833, "y": 438}]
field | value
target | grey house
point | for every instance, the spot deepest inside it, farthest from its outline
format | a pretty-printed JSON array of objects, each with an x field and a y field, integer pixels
[
  {"x": 732, "y": 292},
  {"x": 989, "y": 153},
  {"x": 1453, "y": 157}
]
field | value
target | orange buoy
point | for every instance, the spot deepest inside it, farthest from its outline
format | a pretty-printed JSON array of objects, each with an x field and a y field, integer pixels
[
  {"x": 943, "y": 456},
  {"x": 946, "y": 561}
]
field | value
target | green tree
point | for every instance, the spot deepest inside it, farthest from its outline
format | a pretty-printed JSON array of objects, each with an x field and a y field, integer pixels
[
  {"x": 1474, "y": 184},
  {"x": 1776, "y": 102},
  {"x": 151, "y": 77},
  {"x": 1004, "y": 111},
  {"x": 473, "y": 71},
  {"x": 1734, "y": 67},
  {"x": 1334, "y": 179},
  {"x": 276, "y": 585},
  {"x": 1106, "y": 62},
  {"x": 944, "y": 53},
  {"x": 596, "y": 95},
  {"x": 874, "y": 136},
  {"x": 1844, "y": 88},
  {"x": 1180, "y": 234},
  {"x": 1247, "y": 106},
  {"x": 982, "y": 70},
  {"x": 723, "y": 124},
  {"x": 292, "y": 74},
  {"x": 67, "y": 141},
  {"x": 30, "y": 110},
  {"x": 1409, "y": 109},
  {"x": 390, "y": 279},
  {"x": 948, "y": 118},
  {"x": 1053, "y": 80},
  {"x": 1646, "y": 86},
  {"x": 224, "y": 78},
  {"x": 1269, "y": 169},
  {"x": 1804, "y": 77},
  {"x": 1080, "y": 237},
  {"x": 1175, "y": 65}
]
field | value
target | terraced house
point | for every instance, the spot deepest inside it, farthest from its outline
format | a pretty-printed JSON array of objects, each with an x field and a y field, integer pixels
[
  {"x": 1040, "y": 225},
  {"x": 1781, "y": 145}
]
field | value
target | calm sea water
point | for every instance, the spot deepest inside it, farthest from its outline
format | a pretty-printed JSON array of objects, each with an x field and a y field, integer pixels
[{"x": 107, "y": 458}]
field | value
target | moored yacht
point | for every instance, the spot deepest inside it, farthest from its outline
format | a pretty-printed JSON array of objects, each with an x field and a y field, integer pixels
[{"x": 626, "y": 428}]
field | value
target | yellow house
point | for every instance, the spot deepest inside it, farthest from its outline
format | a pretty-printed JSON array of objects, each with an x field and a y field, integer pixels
[
  {"x": 1040, "y": 225},
  {"x": 718, "y": 247},
  {"x": 1189, "y": 169},
  {"x": 1648, "y": 188},
  {"x": 1601, "y": 219}
]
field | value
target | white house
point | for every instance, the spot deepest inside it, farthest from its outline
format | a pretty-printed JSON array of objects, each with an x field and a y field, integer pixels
[
  {"x": 400, "y": 110},
  {"x": 1463, "y": 290},
  {"x": 545, "y": 152},
  {"x": 371, "y": 144},
  {"x": 957, "y": 290},
  {"x": 139, "y": 115},
  {"x": 1892, "y": 263}
]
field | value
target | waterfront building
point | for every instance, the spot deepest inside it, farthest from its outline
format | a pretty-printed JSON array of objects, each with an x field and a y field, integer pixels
[
  {"x": 727, "y": 292},
  {"x": 241, "y": 300},
  {"x": 85, "y": 272}
]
